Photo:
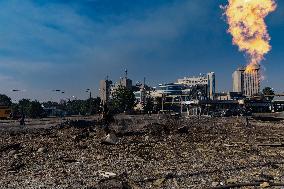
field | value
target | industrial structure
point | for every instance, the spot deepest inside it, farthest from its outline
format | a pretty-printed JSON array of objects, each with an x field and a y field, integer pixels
[{"x": 247, "y": 82}]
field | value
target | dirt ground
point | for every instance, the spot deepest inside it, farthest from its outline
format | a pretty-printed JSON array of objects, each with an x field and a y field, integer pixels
[{"x": 150, "y": 152}]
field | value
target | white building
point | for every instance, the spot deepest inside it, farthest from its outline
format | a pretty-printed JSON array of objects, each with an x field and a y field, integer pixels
[{"x": 208, "y": 80}]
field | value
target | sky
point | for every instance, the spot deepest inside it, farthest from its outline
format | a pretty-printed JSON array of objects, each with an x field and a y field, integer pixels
[{"x": 72, "y": 44}]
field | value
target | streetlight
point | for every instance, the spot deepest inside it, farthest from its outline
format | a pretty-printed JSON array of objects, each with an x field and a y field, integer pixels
[
  {"x": 58, "y": 91},
  {"x": 89, "y": 91},
  {"x": 18, "y": 90},
  {"x": 90, "y": 100}
]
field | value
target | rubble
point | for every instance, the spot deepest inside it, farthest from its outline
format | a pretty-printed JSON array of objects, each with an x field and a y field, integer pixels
[
  {"x": 110, "y": 139},
  {"x": 41, "y": 150},
  {"x": 145, "y": 152},
  {"x": 107, "y": 174}
]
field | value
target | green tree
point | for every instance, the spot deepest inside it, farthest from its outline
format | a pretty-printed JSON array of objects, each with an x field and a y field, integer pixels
[
  {"x": 24, "y": 105},
  {"x": 32, "y": 109},
  {"x": 268, "y": 91},
  {"x": 5, "y": 100},
  {"x": 123, "y": 100},
  {"x": 148, "y": 104},
  {"x": 93, "y": 105},
  {"x": 35, "y": 110},
  {"x": 83, "y": 107},
  {"x": 50, "y": 104},
  {"x": 16, "y": 111},
  {"x": 76, "y": 107}
]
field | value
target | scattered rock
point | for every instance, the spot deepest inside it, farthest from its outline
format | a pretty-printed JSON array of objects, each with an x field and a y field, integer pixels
[
  {"x": 214, "y": 184},
  {"x": 146, "y": 138},
  {"x": 110, "y": 139},
  {"x": 231, "y": 181},
  {"x": 159, "y": 182},
  {"x": 18, "y": 155},
  {"x": 107, "y": 174},
  {"x": 12, "y": 152},
  {"x": 99, "y": 157},
  {"x": 265, "y": 185},
  {"x": 42, "y": 150}
]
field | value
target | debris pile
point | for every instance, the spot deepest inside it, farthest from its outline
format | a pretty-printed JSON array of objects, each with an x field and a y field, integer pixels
[{"x": 142, "y": 152}]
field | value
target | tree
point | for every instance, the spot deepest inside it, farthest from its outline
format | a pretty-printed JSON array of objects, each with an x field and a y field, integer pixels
[
  {"x": 5, "y": 100},
  {"x": 24, "y": 105},
  {"x": 16, "y": 111},
  {"x": 93, "y": 105},
  {"x": 32, "y": 109},
  {"x": 123, "y": 100},
  {"x": 148, "y": 104},
  {"x": 76, "y": 107},
  {"x": 35, "y": 110},
  {"x": 83, "y": 107},
  {"x": 50, "y": 104},
  {"x": 268, "y": 91}
]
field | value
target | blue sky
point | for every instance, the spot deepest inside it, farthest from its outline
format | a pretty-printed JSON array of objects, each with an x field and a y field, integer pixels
[{"x": 72, "y": 44}]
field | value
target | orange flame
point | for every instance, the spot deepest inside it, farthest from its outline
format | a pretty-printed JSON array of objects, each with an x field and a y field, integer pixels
[{"x": 247, "y": 26}]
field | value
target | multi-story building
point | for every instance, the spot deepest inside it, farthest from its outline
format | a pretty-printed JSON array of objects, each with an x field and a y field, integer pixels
[
  {"x": 123, "y": 82},
  {"x": 207, "y": 80},
  {"x": 247, "y": 82},
  {"x": 238, "y": 80},
  {"x": 169, "y": 89},
  {"x": 105, "y": 90}
]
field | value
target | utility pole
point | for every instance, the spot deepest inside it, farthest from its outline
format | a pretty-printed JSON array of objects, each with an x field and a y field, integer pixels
[
  {"x": 181, "y": 100},
  {"x": 163, "y": 102},
  {"x": 90, "y": 100}
]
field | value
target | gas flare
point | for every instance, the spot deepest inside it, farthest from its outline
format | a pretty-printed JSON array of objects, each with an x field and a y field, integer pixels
[{"x": 248, "y": 28}]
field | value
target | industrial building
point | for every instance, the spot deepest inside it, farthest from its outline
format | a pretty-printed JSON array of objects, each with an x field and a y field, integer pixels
[{"x": 247, "y": 83}]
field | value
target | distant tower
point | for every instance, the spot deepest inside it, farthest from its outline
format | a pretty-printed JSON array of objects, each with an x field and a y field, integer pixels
[
  {"x": 252, "y": 81},
  {"x": 105, "y": 89},
  {"x": 238, "y": 80},
  {"x": 211, "y": 86},
  {"x": 247, "y": 83}
]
